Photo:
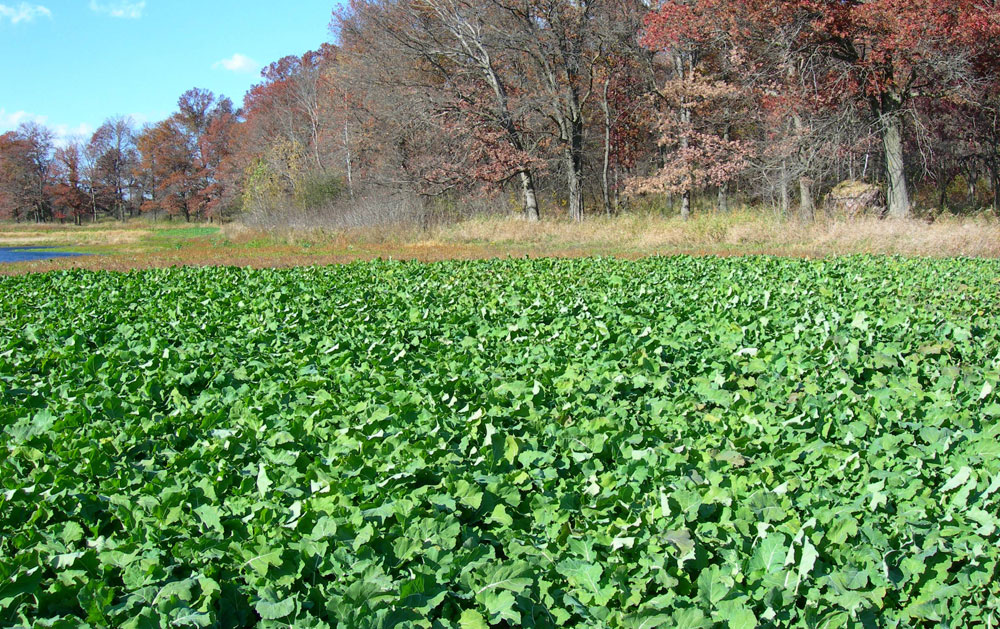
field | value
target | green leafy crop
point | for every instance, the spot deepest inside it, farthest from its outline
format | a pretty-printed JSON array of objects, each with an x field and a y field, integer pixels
[{"x": 672, "y": 442}]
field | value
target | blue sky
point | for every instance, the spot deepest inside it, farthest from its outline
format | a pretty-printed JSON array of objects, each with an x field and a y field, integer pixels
[{"x": 71, "y": 64}]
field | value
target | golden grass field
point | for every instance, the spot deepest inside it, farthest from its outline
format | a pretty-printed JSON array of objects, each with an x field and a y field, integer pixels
[{"x": 142, "y": 244}]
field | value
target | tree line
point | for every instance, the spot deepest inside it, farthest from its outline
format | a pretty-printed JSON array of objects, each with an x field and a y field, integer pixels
[
  {"x": 572, "y": 107},
  {"x": 171, "y": 168}
]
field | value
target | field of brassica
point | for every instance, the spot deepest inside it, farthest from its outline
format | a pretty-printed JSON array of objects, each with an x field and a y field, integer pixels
[{"x": 674, "y": 442}]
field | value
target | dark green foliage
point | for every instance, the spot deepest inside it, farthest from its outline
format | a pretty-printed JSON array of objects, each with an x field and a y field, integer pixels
[
  {"x": 671, "y": 442},
  {"x": 319, "y": 190}
]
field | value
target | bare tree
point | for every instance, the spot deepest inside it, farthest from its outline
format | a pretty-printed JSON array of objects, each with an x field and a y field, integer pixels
[
  {"x": 456, "y": 45},
  {"x": 115, "y": 155},
  {"x": 555, "y": 38}
]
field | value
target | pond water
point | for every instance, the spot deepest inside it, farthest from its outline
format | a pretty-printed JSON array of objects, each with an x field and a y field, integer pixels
[{"x": 27, "y": 254}]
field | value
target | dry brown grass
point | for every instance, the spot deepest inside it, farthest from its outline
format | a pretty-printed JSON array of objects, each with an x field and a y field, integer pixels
[
  {"x": 740, "y": 233},
  {"x": 241, "y": 234},
  {"x": 943, "y": 238},
  {"x": 637, "y": 235},
  {"x": 68, "y": 235},
  {"x": 743, "y": 232},
  {"x": 71, "y": 238}
]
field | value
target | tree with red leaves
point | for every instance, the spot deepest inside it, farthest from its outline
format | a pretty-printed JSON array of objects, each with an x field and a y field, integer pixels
[
  {"x": 218, "y": 169},
  {"x": 883, "y": 53},
  {"x": 980, "y": 33},
  {"x": 25, "y": 172},
  {"x": 14, "y": 176},
  {"x": 68, "y": 192},
  {"x": 183, "y": 154},
  {"x": 702, "y": 104},
  {"x": 167, "y": 157},
  {"x": 699, "y": 150},
  {"x": 292, "y": 103},
  {"x": 292, "y": 121}
]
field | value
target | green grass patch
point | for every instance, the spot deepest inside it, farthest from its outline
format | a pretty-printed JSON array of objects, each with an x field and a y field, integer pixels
[
  {"x": 183, "y": 233},
  {"x": 670, "y": 442}
]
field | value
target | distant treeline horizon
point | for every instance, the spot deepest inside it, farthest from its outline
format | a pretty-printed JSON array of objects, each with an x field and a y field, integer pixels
[{"x": 560, "y": 107}]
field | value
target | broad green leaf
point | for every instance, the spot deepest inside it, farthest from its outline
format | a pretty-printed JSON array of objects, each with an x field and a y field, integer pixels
[
  {"x": 364, "y": 536},
  {"x": 210, "y": 517},
  {"x": 690, "y": 618},
  {"x": 514, "y": 577},
  {"x": 960, "y": 478},
  {"x": 471, "y": 619},
  {"x": 263, "y": 482},
  {"x": 769, "y": 556},
  {"x": 500, "y": 516},
  {"x": 737, "y": 615},
  {"x": 808, "y": 559},
  {"x": 499, "y": 605},
  {"x": 713, "y": 586},
  {"x": 647, "y": 620},
  {"x": 275, "y": 610},
  {"x": 510, "y": 449}
]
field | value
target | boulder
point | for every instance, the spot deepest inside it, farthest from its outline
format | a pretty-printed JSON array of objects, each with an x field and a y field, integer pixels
[{"x": 855, "y": 198}]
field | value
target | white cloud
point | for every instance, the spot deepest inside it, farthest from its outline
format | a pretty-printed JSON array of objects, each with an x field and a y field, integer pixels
[
  {"x": 144, "y": 118},
  {"x": 237, "y": 63},
  {"x": 64, "y": 133},
  {"x": 23, "y": 12},
  {"x": 119, "y": 8},
  {"x": 10, "y": 121}
]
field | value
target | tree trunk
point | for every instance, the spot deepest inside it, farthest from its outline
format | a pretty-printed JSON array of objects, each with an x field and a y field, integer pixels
[
  {"x": 574, "y": 189},
  {"x": 807, "y": 210},
  {"x": 573, "y": 156},
  {"x": 784, "y": 194},
  {"x": 722, "y": 196},
  {"x": 616, "y": 201},
  {"x": 892, "y": 141},
  {"x": 347, "y": 152},
  {"x": 315, "y": 142},
  {"x": 686, "y": 196},
  {"x": 606, "y": 165},
  {"x": 995, "y": 183},
  {"x": 970, "y": 189},
  {"x": 684, "y": 68},
  {"x": 528, "y": 193}
]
